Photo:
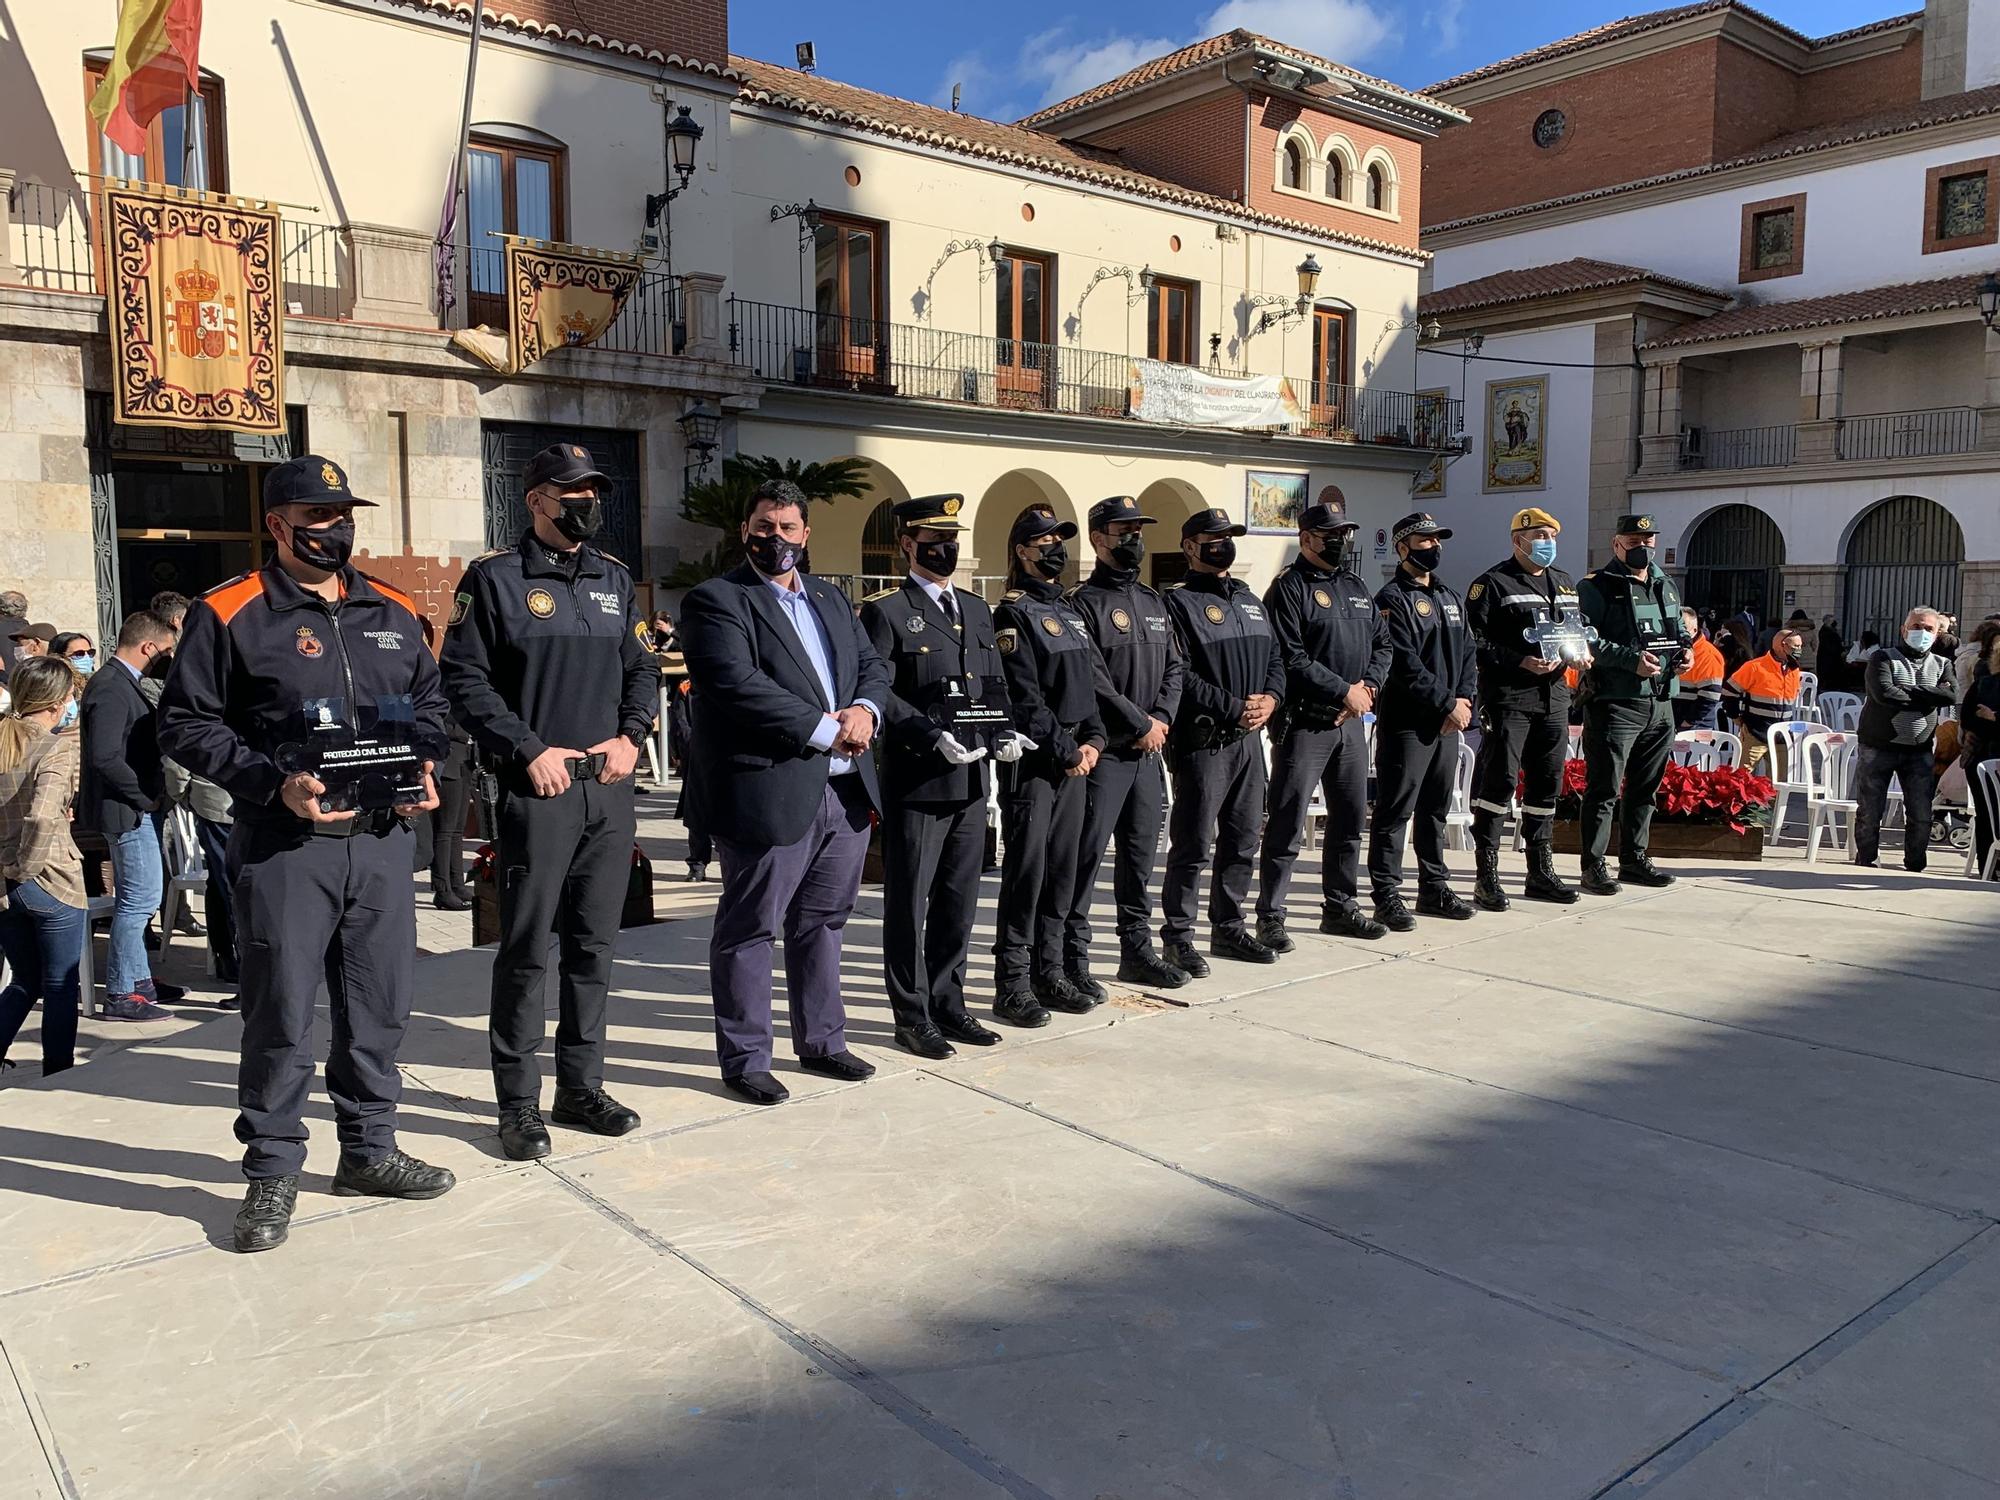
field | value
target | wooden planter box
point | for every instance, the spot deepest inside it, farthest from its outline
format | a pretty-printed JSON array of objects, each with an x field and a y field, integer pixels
[{"x": 1674, "y": 840}]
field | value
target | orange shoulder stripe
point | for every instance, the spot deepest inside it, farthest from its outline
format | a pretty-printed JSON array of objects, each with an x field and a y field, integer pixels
[
  {"x": 389, "y": 592},
  {"x": 228, "y": 600}
]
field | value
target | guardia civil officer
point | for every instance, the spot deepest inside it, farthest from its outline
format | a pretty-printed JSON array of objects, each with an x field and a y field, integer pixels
[
  {"x": 1051, "y": 669},
  {"x": 938, "y": 642},
  {"x": 1523, "y": 706},
  {"x": 1424, "y": 706},
  {"x": 320, "y": 895},
  {"x": 1138, "y": 693},
  {"x": 1336, "y": 652},
  {"x": 1628, "y": 720},
  {"x": 1234, "y": 682},
  {"x": 545, "y": 670}
]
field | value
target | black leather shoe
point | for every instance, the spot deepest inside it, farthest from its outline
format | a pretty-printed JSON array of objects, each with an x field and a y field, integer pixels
[
  {"x": 1543, "y": 883},
  {"x": 397, "y": 1175},
  {"x": 1057, "y": 993},
  {"x": 168, "y": 994},
  {"x": 960, "y": 1027},
  {"x": 926, "y": 1041},
  {"x": 1236, "y": 943},
  {"x": 229, "y": 1002},
  {"x": 1596, "y": 879},
  {"x": 594, "y": 1110},
  {"x": 1184, "y": 957},
  {"x": 1443, "y": 902},
  {"x": 265, "y": 1218},
  {"x": 1271, "y": 933},
  {"x": 1393, "y": 914},
  {"x": 758, "y": 1088},
  {"x": 1867, "y": 862},
  {"x": 1916, "y": 861},
  {"x": 1021, "y": 1008},
  {"x": 1642, "y": 871},
  {"x": 1351, "y": 921},
  {"x": 1080, "y": 981},
  {"x": 842, "y": 1065},
  {"x": 449, "y": 900},
  {"x": 1486, "y": 888},
  {"x": 1144, "y": 966},
  {"x": 187, "y": 922},
  {"x": 523, "y": 1136}
]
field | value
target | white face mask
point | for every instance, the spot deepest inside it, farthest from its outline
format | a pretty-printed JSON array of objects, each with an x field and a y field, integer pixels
[{"x": 1920, "y": 639}]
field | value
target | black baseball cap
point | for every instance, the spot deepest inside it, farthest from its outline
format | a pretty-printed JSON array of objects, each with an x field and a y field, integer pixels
[
  {"x": 1419, "y": 523},
  {"x": 1211, "y": 522},
  {"x": 1118, "y": 508},
  {"x": 1039, "y": 523},
  {"x": 309, "y": 480},
  {"x": 562, "y": 464},
  {"x": 1325, "y": 517},
  {"x": 23, "y": 631}
]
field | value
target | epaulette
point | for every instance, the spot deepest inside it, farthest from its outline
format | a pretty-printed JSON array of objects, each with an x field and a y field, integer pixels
[
  {"x": 1011, "y": 595},
  {"x": 882, "y": 594},
  {"x": 231, "y": 582},
  {"x": 495, "y": 552},
  {"x": 613, "y": 557}
]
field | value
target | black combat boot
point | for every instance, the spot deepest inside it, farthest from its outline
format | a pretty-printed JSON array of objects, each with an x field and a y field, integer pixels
[
  {"x": 266, "y": 1215},
  {"x": 1144, "y": 966},
  {"x": 1642, "y": 871},
  {"x": 1597, "y": 879},
  {"x": 1271, "y": 933},
  {"x": 1543, "y": 882},
  {"x": 1486, "y": 889},
  {"x": 1182, "y": 956}
]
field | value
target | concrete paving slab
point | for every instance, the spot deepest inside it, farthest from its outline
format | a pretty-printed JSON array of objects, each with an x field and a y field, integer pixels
[
  {"x": 1105, "y": 1326},
  {"x": 507, "y": 1340},
  {"x": 1700, "y": 1255},
  {"x": 25, "y": 1470},
  {"x": 1909, "y": 1132}
]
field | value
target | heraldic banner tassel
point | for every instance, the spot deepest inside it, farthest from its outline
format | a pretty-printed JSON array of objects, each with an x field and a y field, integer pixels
[
  {"x": 197, "y": 317},
  {"x": 155, "y": 63},
  {"x": 558, "y": 296}
]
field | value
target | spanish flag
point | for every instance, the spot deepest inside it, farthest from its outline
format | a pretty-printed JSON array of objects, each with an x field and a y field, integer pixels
[{"x": 154, "y": 64}]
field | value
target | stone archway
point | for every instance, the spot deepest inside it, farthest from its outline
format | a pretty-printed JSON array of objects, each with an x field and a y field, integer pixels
[
  {"x": 1173, "y": 501},
  {"x": 1734, "y": 558},
  {"x": 993, "y": 517},
  {"x": 840, "y": 528},
  {"x": 1904, "y": 551}
]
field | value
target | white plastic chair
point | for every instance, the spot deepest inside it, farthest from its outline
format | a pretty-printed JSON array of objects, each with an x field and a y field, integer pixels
[
  {"x": 1809, "y": 695},
  {"x": 1988, "y": 772},
  {"x": 1828, "y": 762},
  {"x": 186, "y": 870},
  {"x": 1840, "y": 711},
  {"x": 98, "y": 909},
  {"x": 1707, "y": 749},
  {"x": 1458, "y": 819},
  {"x": 1782, "y": 743},
  {"x": 1575, "y": 750}
]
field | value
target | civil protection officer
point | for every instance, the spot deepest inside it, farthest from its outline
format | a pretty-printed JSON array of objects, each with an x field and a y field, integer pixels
[
  {"x": 1051, "y": 670},
  {"x": 1233, "y": 684},
  {"x": 1336, "y": 653},
  {"x": 545, "y": 670},
  {"x": 1138, "y": 692},
  {"x": 320, "y": 894},
  {"x": 1523, "y": 706},
  {"x": 1425, "y": 704},
  {"x": 1628, "y": 720},
  {"x": 936, "y": 639}
]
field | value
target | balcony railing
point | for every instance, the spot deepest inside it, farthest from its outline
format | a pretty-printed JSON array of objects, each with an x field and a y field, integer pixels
[
  {"x": 1739, "y": 447},
  {"x": 650, "y": 322},
  {"x": 1910, "y": 434},
  {"x": 796, "y": 346}
]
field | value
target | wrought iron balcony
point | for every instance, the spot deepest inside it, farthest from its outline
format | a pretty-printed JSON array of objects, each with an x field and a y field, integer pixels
[
  {"x": 1910, "y": 434},
  {"x": 1739, "y": 447}
]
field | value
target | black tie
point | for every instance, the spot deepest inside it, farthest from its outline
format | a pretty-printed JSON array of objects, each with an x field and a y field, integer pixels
[{"x": 950, "y": 608}]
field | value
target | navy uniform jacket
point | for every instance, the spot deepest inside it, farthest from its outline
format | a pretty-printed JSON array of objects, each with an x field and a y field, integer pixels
[
  {"x": 756, "y": 703},
  {"x": 251, "y": 654},
  {"x": 1139, "y": 662},
  {"x": 537, "y": 656},
  {"x": 1504, "y": 604},
  {"x": 1330, "y": 636},
  {"x": 1051, "y": 670},
  {"x": 1435, "y": 661},
  {"x": 1231, "y": 652},
  {"x": 922, "y": 648}
]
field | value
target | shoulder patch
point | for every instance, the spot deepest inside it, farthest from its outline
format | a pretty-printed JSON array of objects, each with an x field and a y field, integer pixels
[
  {"x": 228, "y": 600},
  {"x": 1476, "y": 590},
  {"x": 460, "y": 607},
  {"x": 1007, "y": 640}
]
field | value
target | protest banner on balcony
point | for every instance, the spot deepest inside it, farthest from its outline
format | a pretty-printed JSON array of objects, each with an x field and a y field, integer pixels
[
  {"x": 197, "y": 327},
  {"x": 557, "y": 296},
  {"x": 1186, "y": 396}
]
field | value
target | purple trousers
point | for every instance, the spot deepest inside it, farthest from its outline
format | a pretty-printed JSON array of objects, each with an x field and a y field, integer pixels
[{"x": 804, "y": 890}]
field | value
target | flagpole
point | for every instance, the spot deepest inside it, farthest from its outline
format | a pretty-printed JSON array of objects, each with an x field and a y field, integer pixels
[{"x": 462, "y": 203}]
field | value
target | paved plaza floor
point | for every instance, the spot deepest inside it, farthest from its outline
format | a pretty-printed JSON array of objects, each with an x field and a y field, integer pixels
[{"x": 1688, "y": 1195}]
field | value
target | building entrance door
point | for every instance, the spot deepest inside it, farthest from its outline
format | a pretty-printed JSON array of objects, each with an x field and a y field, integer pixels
[
  {"x": 1905, "y": 552},
  {"x": 1735, "y": 558}
]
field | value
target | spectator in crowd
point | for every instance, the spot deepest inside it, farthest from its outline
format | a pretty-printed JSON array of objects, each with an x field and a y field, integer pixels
[
  {"x": 1979, "y": 726},
  {"x": 172, "y": 608},
  {"x": 1736, "y": 644},
  {"x": 1763, "y": 692},
  {"x": 76, "y": 648},
  {"x": 1700, "y": 699},
  {"x": 43, "y": 915},
  {"x": 123, "y": 783},
  {"x": 680, "y": 732},
  {"x": 13, "y": 605},
  {"x": 32, "y": 639},
  {"x": 440, "y": 840},
  {"x": 1830, "y": 656},
  {"x": 1946, "y": 644},
  {"x": 660, "y": 638},
  {"x": 209, "y": 806},
  {"x": 1971, "y": 653},
  {"x": 1864, "y": 648},
  {"x": 1907, "y": 684}
]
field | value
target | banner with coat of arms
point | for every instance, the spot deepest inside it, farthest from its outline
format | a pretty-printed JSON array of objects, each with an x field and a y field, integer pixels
[
  {"x": 558, "y": 296},
  {"x": 197, "y": 318}
]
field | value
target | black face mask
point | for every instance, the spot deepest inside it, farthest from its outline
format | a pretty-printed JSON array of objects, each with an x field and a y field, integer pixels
[
  {"x": 774, "y": 556},
  {"x": 1051, "y": 560},
  {"x": 1426, "y": 559},
  {"x": 938, "y": 557},
  {"x": 1638, "y": 559},
  {"x": 325, "y": 547},
  {"x": 579, "y": 520},
  {"x": 1128, "y": 552},
  {"x": 1220, "y": 554}
]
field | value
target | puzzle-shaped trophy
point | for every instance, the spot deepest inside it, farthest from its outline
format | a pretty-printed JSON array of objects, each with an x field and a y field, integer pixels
[{"x": 1564, "y": 637}]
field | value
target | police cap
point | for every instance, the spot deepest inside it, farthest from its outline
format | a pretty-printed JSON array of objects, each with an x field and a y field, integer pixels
[
  {"x": 565, "y": 465},
  {"x": 1036, "y": 523},
  {"x": 1107, "y": 513},
  {"x": 1211, "y": 522},
  {"x": 1419, "y": 523},
  {"x": 310, "y": 480},
  {"x": 1325, "y": 517},
  {"x": 1635, "y": 525},
  {"x": 932, "y": 512}
]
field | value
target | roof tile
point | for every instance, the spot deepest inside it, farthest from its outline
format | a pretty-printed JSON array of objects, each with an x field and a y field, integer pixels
[
  {"x": 1559, "y": 279},
  {"x": 1872, "y": 304}
]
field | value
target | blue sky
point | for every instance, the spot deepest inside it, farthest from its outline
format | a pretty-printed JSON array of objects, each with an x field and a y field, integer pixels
[{"x": 1012, "y": 59}]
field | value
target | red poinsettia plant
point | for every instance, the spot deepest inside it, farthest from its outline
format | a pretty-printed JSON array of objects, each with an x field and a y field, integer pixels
[{"x": 1740, "y": 798}]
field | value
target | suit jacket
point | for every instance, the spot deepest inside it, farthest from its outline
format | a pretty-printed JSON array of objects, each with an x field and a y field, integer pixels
[
  {"x": 122, "y": 774},
  {"x": 757, "y": 701}
]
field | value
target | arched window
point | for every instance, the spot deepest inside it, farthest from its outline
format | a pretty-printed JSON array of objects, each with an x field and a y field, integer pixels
[
  {"x": 1336, "y": 177},
  {"x": 880, "y": 556},
  {"x": 1292, "y": 171},
  {"x": 1378, "y": 187}
]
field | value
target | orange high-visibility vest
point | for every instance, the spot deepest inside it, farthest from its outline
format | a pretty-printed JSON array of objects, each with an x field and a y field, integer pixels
[
  {"x": 1704, "y": 678},
  {"x": 1765, "y": 692}
]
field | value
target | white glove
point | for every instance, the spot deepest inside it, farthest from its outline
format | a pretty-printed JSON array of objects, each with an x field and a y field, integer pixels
[
  {"x": 1012, "y": 744},
  {"x": 956, "y": 753}
]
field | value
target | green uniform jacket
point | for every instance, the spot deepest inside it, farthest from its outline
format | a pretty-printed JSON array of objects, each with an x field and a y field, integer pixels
[{"x": 1625, "y": 611}]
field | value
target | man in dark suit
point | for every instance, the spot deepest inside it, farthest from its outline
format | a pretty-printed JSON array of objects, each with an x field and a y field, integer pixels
[
  {"x": 786, "y": 696},
  {"x": 121, "y": 784}
]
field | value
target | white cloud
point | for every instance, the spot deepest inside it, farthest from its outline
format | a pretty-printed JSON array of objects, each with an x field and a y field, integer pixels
[
  {"x": 1448, "y": 19},
  {"x": 1060, "y": 67},
  {"x": 1340, "y": 30}
]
